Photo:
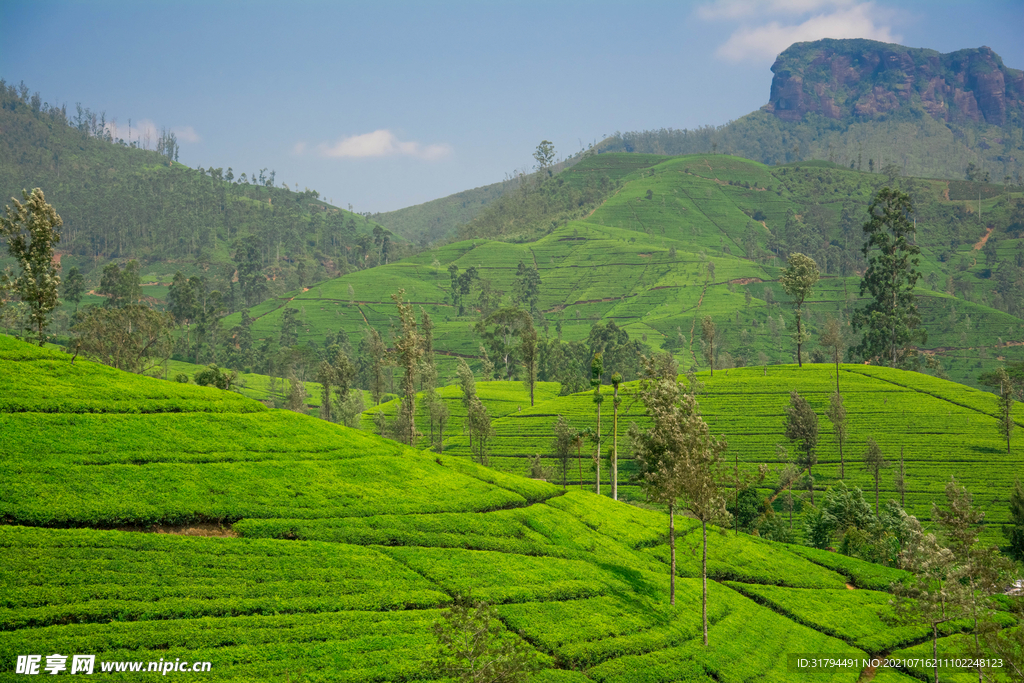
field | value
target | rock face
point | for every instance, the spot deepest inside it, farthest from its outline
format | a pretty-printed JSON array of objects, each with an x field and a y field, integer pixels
[{"x": 865, "y": 78}]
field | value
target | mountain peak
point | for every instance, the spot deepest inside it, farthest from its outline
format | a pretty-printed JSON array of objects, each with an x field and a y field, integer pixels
[{"x": 866, "y": 78}]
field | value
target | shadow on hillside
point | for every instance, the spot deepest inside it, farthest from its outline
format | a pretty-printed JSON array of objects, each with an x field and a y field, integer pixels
[{"x": 635, "y": 580}]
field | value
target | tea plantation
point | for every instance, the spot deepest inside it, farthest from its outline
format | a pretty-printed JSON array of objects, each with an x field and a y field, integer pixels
[
  {"x": 304, "y": 551},
  {"x": 688, "y": 237},
  {"x": 943, "y": 429}
]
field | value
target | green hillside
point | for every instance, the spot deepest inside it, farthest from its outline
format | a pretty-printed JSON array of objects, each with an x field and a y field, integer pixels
[
  {"x": 322, "y": 553},
  {"x": 707, "y": 235},
  {"x": 436, "y": 220}
]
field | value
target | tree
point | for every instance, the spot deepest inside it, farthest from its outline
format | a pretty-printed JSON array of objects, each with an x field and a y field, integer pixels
[
  {"x": 461, "y": 285},
  {"x": 212, "y": 376},
  {"x": 837, "y": 416},
  {"x": 32, "y": 229},
  {"x": 798, "y": 279},
  {"x": 529, "y": 352},
  {"x": 833, "y": 339},
  {"x": 473, "y": 647},
  {"x": 408, "y": 351},
  {"x": 1014, "y": 531},
  {"x": 372, "y": 360},
  {"x": 296, "y": 401},
  {"x": 503, "y": 331},
  {"x": 890, "y": 321},
  {"x": 565, "y": 438},
  {"x": 874, "y": 463},
  {"x": 708, "y": 335},
  {"x": 480, "y": 429},
  {"x": 121, "y": 286},
  {"x": 1006, "y": 395},
  {"x": 289, "y": 328},
  {"x": 802, "y": 427},
  {"x": 544, "y": 155},
  {"x": 900, "y": 481},
  {"x": 477, "y": 422},
  {"x": 335, "y": 375},
  {"x": 934, "y": 595},
  {"x": 526, "y": 288},
  {"x": 616, "y": 401},
  {"x": 678, "y": 462},
  {"x": 249, "y": 270},
  {"x": 74, "y": 286},
  {"x": 981, "y": 568},
  {"x": 134, "y": 338},
  {"x": 181, "y": 303},
  {"x": 596, "y": 370}
]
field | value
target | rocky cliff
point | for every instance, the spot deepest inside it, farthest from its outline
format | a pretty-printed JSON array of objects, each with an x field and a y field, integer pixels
[{"x": 864, "y": 78}]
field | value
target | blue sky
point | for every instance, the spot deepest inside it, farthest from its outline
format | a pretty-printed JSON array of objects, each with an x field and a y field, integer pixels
[{"x": 387, "y": 104}]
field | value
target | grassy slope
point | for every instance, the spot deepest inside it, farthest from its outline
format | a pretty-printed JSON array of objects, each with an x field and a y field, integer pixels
[
  {"x": 616, "y": 265},
  {"x": 379, "y": 537}
]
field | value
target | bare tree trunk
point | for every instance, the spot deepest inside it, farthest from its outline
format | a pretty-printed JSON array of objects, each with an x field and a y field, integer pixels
[
  {"x": 672, "y": 551},
  {"x": 597, "y": 460},
  {"x": 615, "y": 445},
  {"x": 799, "y": 345},
  {"x": 704, "y": 573}
]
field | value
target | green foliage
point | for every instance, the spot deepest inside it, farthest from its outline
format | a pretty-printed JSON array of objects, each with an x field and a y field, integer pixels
[
  {"x": 802, "y": 428},
  {"x": 798, "y": 279},
  {"x": 845, "y": 519},
  {"x": 1014, "y": 531},
  {"x": 213, "y": 376},
  {"x": 891, "y": 321},
  {"x": 31, "y": 230},
  {"x": 473, "y": 646},
  {"x": 132, "y": 337}
]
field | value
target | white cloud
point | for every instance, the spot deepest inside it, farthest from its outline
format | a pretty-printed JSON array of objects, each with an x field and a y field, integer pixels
[
  {"x": 381, "y": 143},
  {"x": 298, "y": 148},
  {"x": 832, "y": 19},
  {"x": 186, "y": 134}
]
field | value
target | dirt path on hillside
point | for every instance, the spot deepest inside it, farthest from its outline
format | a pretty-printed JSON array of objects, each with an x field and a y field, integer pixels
[
  {"x": 984, "y": 238},
  {"x": 868, "y": 674}
]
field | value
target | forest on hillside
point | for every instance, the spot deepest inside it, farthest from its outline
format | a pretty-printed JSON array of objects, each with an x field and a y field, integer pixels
[{"x": 124, "y": 199}]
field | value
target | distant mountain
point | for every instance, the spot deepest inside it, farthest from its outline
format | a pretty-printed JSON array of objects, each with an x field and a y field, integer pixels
[
  {"x": 865, "y": 104},
  {"x": 842, "y": 78}
]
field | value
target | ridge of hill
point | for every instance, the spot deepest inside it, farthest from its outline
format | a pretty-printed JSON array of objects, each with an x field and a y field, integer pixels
[
  {"x": 344, "y": 548},
  {"x": 685, "y": 237},
  {"x": 862, "y": 102},
  {"x": 523, "y": 205}
]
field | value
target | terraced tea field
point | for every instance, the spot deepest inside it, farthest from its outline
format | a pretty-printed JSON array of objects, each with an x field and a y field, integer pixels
[
  {"x": 295, "y": 549},
  {"x": 943, "y": 429}
]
